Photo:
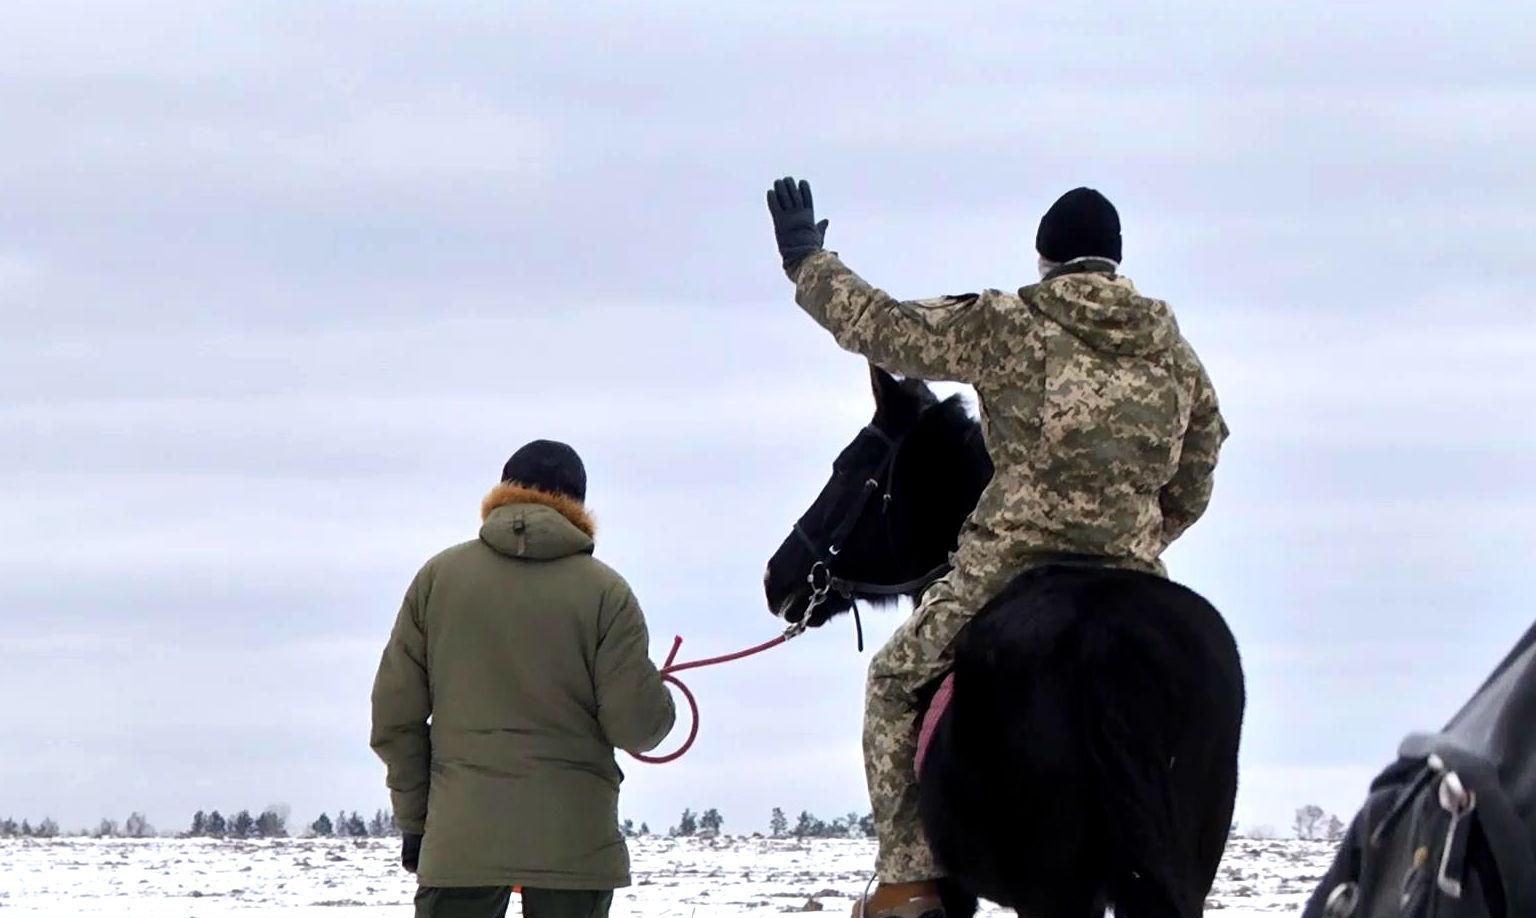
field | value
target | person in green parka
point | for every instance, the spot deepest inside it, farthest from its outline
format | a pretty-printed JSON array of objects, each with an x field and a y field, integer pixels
[{"x": 518, "y": 665}]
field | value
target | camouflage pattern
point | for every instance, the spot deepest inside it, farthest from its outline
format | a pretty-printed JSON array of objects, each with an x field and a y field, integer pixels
[
  {"x": 1104, "y": 432},
  {"x": 917, "y": 654}
]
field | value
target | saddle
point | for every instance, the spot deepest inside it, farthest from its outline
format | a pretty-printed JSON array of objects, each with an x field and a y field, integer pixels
[
  {"x": 1447, "y": 830},
  {"x": 937, "y": 705}
]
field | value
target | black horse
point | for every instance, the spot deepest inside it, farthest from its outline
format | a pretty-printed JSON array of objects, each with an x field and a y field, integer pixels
[{"x": 1089, "y": 755}]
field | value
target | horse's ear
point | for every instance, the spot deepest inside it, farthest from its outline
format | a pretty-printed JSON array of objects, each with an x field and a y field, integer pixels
[
  {"x": 886, "y": 388},
  {"x": 898, "y": 402},
  {"x": 919, "y": 390}
]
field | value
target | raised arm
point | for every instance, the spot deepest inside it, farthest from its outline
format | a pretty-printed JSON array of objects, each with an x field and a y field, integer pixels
[{"x": 950, "y": 338}]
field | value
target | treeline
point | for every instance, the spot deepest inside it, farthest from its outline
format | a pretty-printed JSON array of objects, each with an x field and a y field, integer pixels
[
  {"x": 136, "y": 826},
  {"x": 273, "y": 823},
  {"x": 1314, "y": 824},
  {"x": 710, "y": 823},
  {"x": 808, "y": 826},
  {"x": 10, "y": 828},
  {"x": 1311, "y": 823},
  {"x": 382, "y": 825}
]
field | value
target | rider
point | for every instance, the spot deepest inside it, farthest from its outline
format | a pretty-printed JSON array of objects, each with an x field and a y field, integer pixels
[{"x": 1103, "y": 429}]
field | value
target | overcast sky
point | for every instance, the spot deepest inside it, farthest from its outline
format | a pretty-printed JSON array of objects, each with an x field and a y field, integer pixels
[{"x": 282, "y": 285}]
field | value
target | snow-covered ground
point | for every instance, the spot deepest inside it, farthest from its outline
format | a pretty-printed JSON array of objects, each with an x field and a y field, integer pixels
[{"x": 310, "y": 878}]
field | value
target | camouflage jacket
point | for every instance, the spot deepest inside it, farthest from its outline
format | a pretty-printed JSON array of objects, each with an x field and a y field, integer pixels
[{"x": 1102, "y": 424}]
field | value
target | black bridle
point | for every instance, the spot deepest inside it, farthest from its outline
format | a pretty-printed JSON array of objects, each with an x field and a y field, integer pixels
[{"x": 822, "y": 579}]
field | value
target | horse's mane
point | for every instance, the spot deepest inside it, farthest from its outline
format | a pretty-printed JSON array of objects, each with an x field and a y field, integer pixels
[{"x": 938, "y": 477}]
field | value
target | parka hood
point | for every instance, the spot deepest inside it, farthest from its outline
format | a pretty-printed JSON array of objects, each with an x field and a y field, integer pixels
[
  {"x": 536, "y": 525},
  {"x": 1103, "y": 309}
]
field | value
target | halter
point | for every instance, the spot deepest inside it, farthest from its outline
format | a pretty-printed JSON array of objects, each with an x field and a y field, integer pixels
[{"x": 822, "y": 580}]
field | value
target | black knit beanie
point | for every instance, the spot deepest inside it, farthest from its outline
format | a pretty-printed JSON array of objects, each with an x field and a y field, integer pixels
[
  {"x": 548, "y": 466},
  {"x": 1081, "y": 224}
]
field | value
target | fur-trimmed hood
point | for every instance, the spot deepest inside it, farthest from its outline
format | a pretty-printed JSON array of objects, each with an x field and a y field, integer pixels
[{"x": 524, "y": 522}]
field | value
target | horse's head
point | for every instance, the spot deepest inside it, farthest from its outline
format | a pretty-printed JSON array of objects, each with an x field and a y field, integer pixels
[{"x": 891, "y": 511}]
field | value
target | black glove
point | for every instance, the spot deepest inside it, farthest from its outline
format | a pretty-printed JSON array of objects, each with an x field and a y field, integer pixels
[
  {"x": 410, "y": 851},
  {"x": 794, "y": 221}
]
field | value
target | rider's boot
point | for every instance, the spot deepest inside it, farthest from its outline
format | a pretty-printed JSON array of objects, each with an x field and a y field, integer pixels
[{"x": 901, "y": 900}]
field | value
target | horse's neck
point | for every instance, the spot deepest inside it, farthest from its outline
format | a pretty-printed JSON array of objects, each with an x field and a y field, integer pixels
[{"x": 966, "y": 471}]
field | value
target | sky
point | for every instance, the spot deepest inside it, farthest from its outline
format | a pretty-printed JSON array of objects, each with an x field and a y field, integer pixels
[{"x": 283, "y": 284}]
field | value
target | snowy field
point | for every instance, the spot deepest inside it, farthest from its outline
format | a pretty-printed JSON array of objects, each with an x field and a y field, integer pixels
[{"x": 310, "y": 878}]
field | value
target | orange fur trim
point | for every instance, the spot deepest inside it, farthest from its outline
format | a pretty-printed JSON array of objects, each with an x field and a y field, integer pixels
[{"x": 509, "y": 492}]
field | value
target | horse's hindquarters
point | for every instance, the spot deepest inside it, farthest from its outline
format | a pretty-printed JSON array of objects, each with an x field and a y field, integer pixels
[{"x": 1090, "y": 751}]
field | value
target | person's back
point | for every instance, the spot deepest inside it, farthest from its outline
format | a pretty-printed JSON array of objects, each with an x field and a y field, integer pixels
[
  {"x": 1098, "y": 416},
  {"x": 530, "y": 657}
]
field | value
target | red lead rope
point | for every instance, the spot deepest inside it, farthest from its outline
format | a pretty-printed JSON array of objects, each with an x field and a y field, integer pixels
[{"x": 670, "y": 668}]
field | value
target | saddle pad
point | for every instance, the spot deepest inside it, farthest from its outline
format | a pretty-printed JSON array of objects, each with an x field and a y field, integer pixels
[{"x": 936, "y": 708}]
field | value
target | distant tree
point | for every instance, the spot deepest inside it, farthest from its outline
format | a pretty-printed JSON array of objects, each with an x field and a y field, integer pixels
[
  {"x": 378, "y": 826},
  {"x": 243, "y": 825},
  {"x": 628, "y": 828},
  {"x": 778, "y": 824},
  {"x": 687, "y": 826},
  {"x": 809, "y": 826},
  {"x": 711, "y": 821},
  {"x": 9, "y": 828},
  {"x": 46, "y": 829},
  {"x": 216, "y": 827},
  {"x": 1333, "y": 829},
  {"x": 271, "y": 824},
  {"x": 106, "y": 829},
  {"x": 199, "y": 824},
  {"x": 645, "y": 828},
  {"x": 350, "y": 825},
  {"x": 138, "y": 826},
  {"x": 867, "y": 825},
  {"x": 845, "y": 827},
  {"x": 323, "y": 827},
  {"x": 26, "y": 829},
  {"x": 278, "y": 814},
  {"x": 1309, "y": 821}
]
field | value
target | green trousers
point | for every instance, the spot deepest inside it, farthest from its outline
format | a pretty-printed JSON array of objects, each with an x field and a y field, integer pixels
[{"x": 492, "y": 902}]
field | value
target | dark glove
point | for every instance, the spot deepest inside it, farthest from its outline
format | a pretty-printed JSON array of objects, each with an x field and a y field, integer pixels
[
  {"x": 794, "y": 221},
  {"x": 410, "y": 851}
]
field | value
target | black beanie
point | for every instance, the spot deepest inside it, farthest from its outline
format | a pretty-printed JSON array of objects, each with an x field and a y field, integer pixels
[
  {"x": 1081, "y": 224},
  {"x": 548, "y": 466}
]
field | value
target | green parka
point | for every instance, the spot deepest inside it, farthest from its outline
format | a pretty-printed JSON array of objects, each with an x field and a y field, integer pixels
[{"x": 517, "y": 666}]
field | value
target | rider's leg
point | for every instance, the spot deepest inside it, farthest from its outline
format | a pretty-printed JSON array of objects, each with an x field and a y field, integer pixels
[{"x": 917, "y": 654}]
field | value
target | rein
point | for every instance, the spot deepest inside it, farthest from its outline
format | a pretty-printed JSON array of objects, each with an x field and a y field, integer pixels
[
  {"x": 823, "y": 584},
  {"x": 670, "y": 668}
]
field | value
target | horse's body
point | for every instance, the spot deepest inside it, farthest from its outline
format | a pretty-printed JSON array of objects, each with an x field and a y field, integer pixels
[{"x": 1089, "y": 755}]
